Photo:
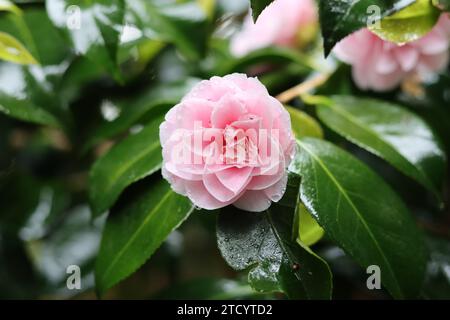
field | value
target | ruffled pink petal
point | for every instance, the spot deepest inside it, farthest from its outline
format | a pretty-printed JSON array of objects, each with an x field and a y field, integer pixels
[
  {"x": 276, "y": 191},
  {"x": 171, "y": 115},
  {"x": 168, "y": 126},
  {"x": 227, "y": 111},
  {"x": 386, "y": 63},
  {"x": 360, "y": 77},
  {"x": 354, "y": 47},
  {"x": 261, "y": 182},
  {"x": 433, "y": 43},
  {"x": 182, "y": 172},
  {"x": 261, "y": 106},
  {"x": 217, "y": 189},
  {"x": 270, "y": 157},
  {"x": 433, "y": 63},
  {"x": 216, "y": 167},
  {"x": 407, "y": 56},
  {"x": 383, "y": 82},
  {"x": 177, "y": 184},
  {"x": 253, "y": 201},
  {"x": 246, "y": 84},
  {"x": 211, "y": 90},
  {"x": 283, "y": 124},
  {"x": 251, "y": 123},
  {"x": 235, "y": 179},
  {"x": 195, "y": 158},
  {"x": 195, "y": 110},
  {"x": 382, "y": 65},
  {"x": 166, "y": 130},
  {"x": 199, "y": 195}
]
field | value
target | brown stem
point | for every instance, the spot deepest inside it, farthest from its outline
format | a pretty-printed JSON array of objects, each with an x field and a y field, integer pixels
[{"x": 303, "y": 88}]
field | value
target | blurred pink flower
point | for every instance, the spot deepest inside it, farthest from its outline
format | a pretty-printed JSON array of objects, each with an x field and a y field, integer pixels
[
  {"x": 228, "y": 142},
  {"x": 382, "y": 65},
  {"x": 281, "y": 23}
]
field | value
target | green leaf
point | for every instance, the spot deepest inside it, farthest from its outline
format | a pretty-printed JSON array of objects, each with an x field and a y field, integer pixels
[
  {"x": 184, "y": 24},
  {"x": 12, "y": 50},
  {"x": 153, "y": 102},
  {"x": 23, "y": 110},
  {"x": 6, "y": 5},
  {"x": 134, "y": 56},
  {"x": 262, "y": 56},
  {"x": 35, "y": 87},
  {"x": 38, "y": 35},
  {"x": 303, "y": 124},
  {"x": 132, "y": 159},
  {"x": 390, "y": 132},
  {"x": 265, "y": 243},
  {"x": 362, "y": 214},
  {"x": 93, "y": 26},
  {"x": 340, "y": 18},
  {"x": 309, "y": 231},
  {"x": 133, "y": 234},
  {"x": 408, "y": 24},
  {"x": 208, "y": 6},
  {"x": 258, "y": 6}
]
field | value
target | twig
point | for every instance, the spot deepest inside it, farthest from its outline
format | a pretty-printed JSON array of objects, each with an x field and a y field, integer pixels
[{"x": 303, "y": 88}]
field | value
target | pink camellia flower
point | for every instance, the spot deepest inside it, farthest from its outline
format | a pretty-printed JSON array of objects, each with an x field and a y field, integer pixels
[
  {"x": 382, "y": 65},
  {"x": 282, "y": 23},
  {"x": 228, "y": 142}
]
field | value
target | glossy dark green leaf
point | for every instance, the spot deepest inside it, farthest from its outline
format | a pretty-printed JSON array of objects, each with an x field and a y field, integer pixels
[
  {"x": 35, "y": 31},
  {"x": 6, "y": 5},
  {"x": 134, "y": 56},
  {"x": 133, "y": 234},
  {"x": 272, "y": 54},
  {"x": 153, "y": 102},
  {"x": 132, "y": 159},
  {"x": 303, "y": 125},
  {"x": 30, "y": 95},
  {"x": 265, "y": 243},
  {"x": 93, "y": 26},
  {"x": 390, "y": 132},
  {"x": 362, "y": 214},
  {"x": 12, "y": 50},
  {"x": 309, "y": 231},
  {"x": 31, "y": 92},
  {"x": 26, "y": 111},
  {"x": 184, "y": 24},
  {"x": 340, "y": 18},
  {"x": 258, "y": 6},
  {"x": 408, "y": 24}
]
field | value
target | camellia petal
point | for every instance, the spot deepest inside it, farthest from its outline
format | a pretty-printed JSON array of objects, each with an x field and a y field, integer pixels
[
  {"x": 381, "y": 65},
  {"x": 228, "y": 142}
]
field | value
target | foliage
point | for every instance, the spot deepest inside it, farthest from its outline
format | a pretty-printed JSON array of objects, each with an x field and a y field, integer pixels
[{"x": 80, "y": 159}]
